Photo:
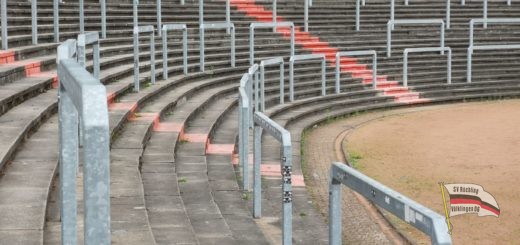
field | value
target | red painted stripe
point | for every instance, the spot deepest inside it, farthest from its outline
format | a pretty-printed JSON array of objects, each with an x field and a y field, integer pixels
[
  {"x": 7, "y": 57},
  {"x": 476, "y": 202}
]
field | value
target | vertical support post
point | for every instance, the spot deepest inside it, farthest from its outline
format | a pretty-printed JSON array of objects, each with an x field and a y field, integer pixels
[
  {"x": 323, "y": 78},
  {"x": 389, "y": 38},
  {"x": 292, "y": 40},
  {"x": 449, "y": 66},
  {"x": 152, "y": 56},
  {"x": 103, "y": 19},
  {"x": 228, "y": 16},
  {"x": 282, "y": 81},
  {"x": 291, "y": 81},
  {"x": 358, "y": 13},
  {"x": 287, "y": 194},
  {"x": 338, "y": 70},
  {"x": 468, "y": 68},
  {"x": 448, "y": 14},
  {"x": 306, "y": 15},
  {"x": 56, "y": 20},
  {"x": 185, "y": 50},
  {"x": 442, "y": 38},
  {"x": 69, "y": 158},
  {"x": 232, "y": 27},
  {"x": 244, "y": 137},
  {"x": 405, "y": 68},
  {"x": 252, "y": 44},
  {"x": 374, "y": 70},
  {"x": 508, "y": 2},
  {"x": 159, "y": 17},
  {"x": 96, "y": 58},
  {"x": 34, "y": 21},
  {"x": 135, "y": 13},
  {"x": 81, "y": 16},
  {"x": 4, "y": 24},
  {"x": 485, "y": 13},
  {"x": 201, "y": 47},
  {"x": 201, "y": 12},
  {"x": 275, "y": 17},
  {"x": 392, "y": 13},
  {"x": 165, "y": 52},
  {"x": 262, "y": 85},
  {"x": 462, "y": 2},
  {"x": 182, "y": 2},
  {"x": 136, "y": 57},
  {"x": 257, "y": 183},
  {"x": 335, "y": 215}
]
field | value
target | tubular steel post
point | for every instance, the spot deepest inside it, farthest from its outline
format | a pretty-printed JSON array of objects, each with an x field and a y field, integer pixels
[
  {"x": 137, "y": 31},
  {"x": 448, "y": 14},
  {"x": 274, "y": 61},
  {"x": 413, "y": 213},
  {"x": 34, "y": 21},
  {"x": 135, "y": 13},
  {"x": 262, "y": 122},
  {"x": 267, "y": 25},
  {"x": 485, "y": 47},
  {"x": 421, "y": 50},
  {"x": 103, "y": 18},
  {"x": 83, "y": 41},
  {"x": 485, "y": 9},
  {"x": 295, "y": 58},
  {"x": 216, "y": 26},
  {"x": 83, "y": 98},
  {"x": 159, "y": 18},
  {"x": 275, "y": 17},
  {"x": 56, "y": 19},
  {"x": 81, "y": 16},
  {"x": 201, "y": 12},
  {"x": 228, "y": 16},
  {"x": 244, "y": 134},
  {"x": 392, "y": 12},
  {"x": 391, "y": 24},
  {"x": 306, "y": 15},
  {"x": 356, "y": 53},
  {"x": 165, "y": 30},
  {"x": 3, "y": 10},
  {"x": 358, "y": 13}
]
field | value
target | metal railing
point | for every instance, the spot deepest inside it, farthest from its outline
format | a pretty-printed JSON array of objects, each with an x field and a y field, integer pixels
[
  {"x": 422, "y": 50},
  {"x": 472, "y": 23},
  {"x": 81, "y": 16},
  {"x": 83, "y": 98},
  {"x": 485, "y": 47},
  {"x": 201, "y": 13},
  {"x": 255, "y": 25},
  {"x": 3, "y": 13},
  {"x": 216, "y": 26},
  {"x": 392, "y": 23},
  {"x": 306, "y": 15},
  {"x": 137, "y": 30},
  {"x": 243, "y": 133},
  {"x": 448, "y": 12},
  {"x": 413, "y": 213},
  {"x": 171, "y": 27},
  {"x": 275, "y": 15},
  {"x": 302, "y": 58},
  {"x": 56, "y": 19},
  {"x": 84, "y": 40},
  {"x": 356, "y": 53},
  {"x": 34, "y": 21},
  {"x": 262, "y": 122},
  {"x": 271, "y": 62},
  {"x": 103, "y": 18},
  {"x": 135, "y": 13},
  {"x": 159, "y": 18}
]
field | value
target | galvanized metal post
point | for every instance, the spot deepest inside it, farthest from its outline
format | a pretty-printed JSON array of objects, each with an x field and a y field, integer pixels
[
  {"x": 282, "y": 83},
  {"x": 389, "y": 38},
  {"x": 337, "y": 70},
  {"x": 165, "y": 30},
  {"x": 135, "y": 13},
  {"x": 228, "y": 16},
  {"x": 257, "y": 182},
  {"x": 165, "y": 52},
  {"x": 335, "y": 213},
  {"x": 405, "y": 68},
  {"x": 182, "y": 2},
  {"x": 81, "y": 16},
  {"x": 159, "y": 17},
  {"x": 83, "y": 41},
  {"x": 232, "y": 27},
  {"x": 442, "y": 38},
  {"x": 291, "y": 81},
  {"x": 306, "y": 16},
  {"x": 449, "y": 66},
  {"x": 103, "y": 18},
  {"x": 243, "y": 146},
  {"x": 469, "y": 64},
  {"x": 358, "y": 13},
  {"x": 201, "y": 12},
  {"x": 136, "y": 58},
  {"x": 392, "y": 13},
  {"x": 323, "y": 79},
  {"x": 201, "y": 48},
  {"x": 287, "y": 191},
  {"x": 34, "y": 21},
  {"x": 56, "y": 19},
  {"x": 485, "y": 12},
  {"x": 448, "y": 14},
  {"x": 185, "y": 50},
  {"x": 152, "y": 56},
  {"x": 275, "y": 17},
  {"x": 4, "y": 24}
]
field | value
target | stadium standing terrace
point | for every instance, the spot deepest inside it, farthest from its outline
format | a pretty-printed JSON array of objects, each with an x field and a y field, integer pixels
[{"x": 176, "y": 158}]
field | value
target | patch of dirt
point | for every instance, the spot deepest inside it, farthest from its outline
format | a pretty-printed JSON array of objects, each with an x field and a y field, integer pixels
[{"x": 466, "y": 143}]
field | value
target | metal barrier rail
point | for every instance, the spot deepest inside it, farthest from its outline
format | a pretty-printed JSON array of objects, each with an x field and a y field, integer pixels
[
  {"x": 34, "y": 21},
  {"x": 243, "y": 133},
  {"x": 135, "y": 13},
  {"x": 83, "y": 98},
  {"x": 201, "y": 13},
  {"x": 103, "y": 18},
  {"x": 275, "y": 15},
  {"x": 270, "y": 62},
  {"x": 413, "y": 213},
  {"x": 262, "y": 122},
  {"x": 485, "y": 10},
  {"x": 56, "y": 19},
  {"x": 472, "y": 23},
  {"x": 448, "y": 12},
  {"x": 485, "y": 47},
  {"x": 307, "y": 57},
  {"x": 84, "y": 40},
  {"x": 356, "y": 53},
  {"x": 143, "y": 29},
  {"x": 421, "y": 50},
  {"x": 215, "y": 26},
  {"x": 81, "y": 16},
  {"x": 266, "y": 25},
  {"x": 306, "y": 15},
  {"x": 463, "y": 2},
  {"x": 390, "y": 28},
  {"x": 159, "y": 18},
  {"x": 171, "y": 27},
  {"x": 3, "y": 13}
]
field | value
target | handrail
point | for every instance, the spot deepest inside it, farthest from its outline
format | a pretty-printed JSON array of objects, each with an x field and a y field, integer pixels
[
  {"x": 421, "y": 50},
  {"x": 270, "y": 62},
  {"x": 84, "y": 40},
  {"x": 390, "y": 27},
  {"x": 266, "y": 25},
  {"x": 3, "y": 13},
  {"x": 448, "y": 12},
  {"x": 472, "y": 23},
  {"x": 263, "y": 122},
  {"x": 201, "y": 13},
  {"x": 356, "y": 53},
  {"x": 307, "y": 57},
  {"x": 358, "y": 14},
  {"x": 143, "y": 29},
  {"x": 165, "y": 29},
  {"x": 413, "y": 213},
  {"x": 214, "y": 26},
  {"x": 485, "y": 47},
  {"x": 83, "y": 98}
]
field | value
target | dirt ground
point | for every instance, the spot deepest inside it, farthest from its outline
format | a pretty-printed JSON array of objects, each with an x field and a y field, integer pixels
[{"x": 475, "y": 143}]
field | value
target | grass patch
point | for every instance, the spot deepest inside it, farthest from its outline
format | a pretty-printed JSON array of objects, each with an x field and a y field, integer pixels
[
  {"x": 302, "y": 214},
  {"x": 354, "y": 160},
  {"x": 183, "y": 141},
  {"x": 245, "y": 196},
  {"x": 183, "y": 180}
]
